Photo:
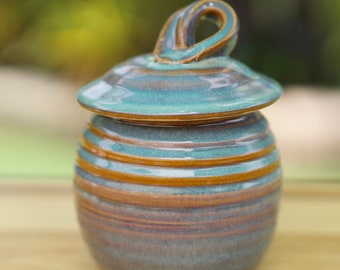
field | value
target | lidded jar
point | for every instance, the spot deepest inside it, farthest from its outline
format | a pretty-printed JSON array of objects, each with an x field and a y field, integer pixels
[{"x": 177, "y": 168}]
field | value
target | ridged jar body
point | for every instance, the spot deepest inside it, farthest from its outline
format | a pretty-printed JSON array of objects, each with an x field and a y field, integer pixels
[{"x": 201, "y": 197}]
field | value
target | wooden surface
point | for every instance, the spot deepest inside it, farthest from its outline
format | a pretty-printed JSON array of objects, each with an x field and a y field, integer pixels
[{"x": 39, "y": 231}]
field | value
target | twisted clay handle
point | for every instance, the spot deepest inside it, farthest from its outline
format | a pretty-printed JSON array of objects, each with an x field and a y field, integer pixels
[{"x": 176, "y": 42}]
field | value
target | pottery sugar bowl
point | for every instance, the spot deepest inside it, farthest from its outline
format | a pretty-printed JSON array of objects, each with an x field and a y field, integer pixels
[{"x": 177, "y": 169}]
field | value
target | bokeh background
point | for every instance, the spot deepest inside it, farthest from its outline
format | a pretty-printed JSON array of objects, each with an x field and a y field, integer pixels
[
  {"x": 48, "y": 49},
  {"x": 294, "y": 41}
]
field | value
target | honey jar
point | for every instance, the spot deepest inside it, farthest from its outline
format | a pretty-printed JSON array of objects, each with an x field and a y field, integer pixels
[{"x": 177, "y": 168}]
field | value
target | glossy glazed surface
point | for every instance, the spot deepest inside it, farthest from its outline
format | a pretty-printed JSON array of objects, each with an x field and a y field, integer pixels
[
  {"x": 148, "y": 91},
  {"x": 177, "y": 169},
  {"x": 176, "y": 42},
  {"x": 163, "y": 195},
  {"x": 237, "y": 150},
  {"x": 230, "y": 236},
  {"x": 183, "y": 81}
]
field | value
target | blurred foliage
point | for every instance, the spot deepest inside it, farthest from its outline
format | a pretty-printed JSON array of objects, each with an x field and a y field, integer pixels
[{"x": 294, "y": 41}]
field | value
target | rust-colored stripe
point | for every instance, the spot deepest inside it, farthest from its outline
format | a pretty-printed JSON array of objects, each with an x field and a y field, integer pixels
[
  {"x": 177, "y": 215},
  {"x": 184, "y": 72},
  {"x": 171, "y": 144},
  {"x": 175, "y": 200},
  {"x": 175, "y": 181},
  {"x": 170, "y": 227},
  {"x": 93, "y": 222},
  {"x": 177, "y": 120},
  {"x": 177, "y": 163}
]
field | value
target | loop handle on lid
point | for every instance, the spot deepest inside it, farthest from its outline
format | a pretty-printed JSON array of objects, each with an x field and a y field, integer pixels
[{"x": 176, "y": 42}]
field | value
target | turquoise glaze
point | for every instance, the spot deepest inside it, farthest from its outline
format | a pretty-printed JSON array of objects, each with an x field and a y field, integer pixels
[
  {"x": 218, "y": 141},
  {"x": 178, "y": 35},
  {"x": 183, "y": 78},
  {"x": 141, "y": 86},
  {"x": 250, "y": 132},
  {"x": 177, "y": 169},
  {"x": 249, "y": 185}
]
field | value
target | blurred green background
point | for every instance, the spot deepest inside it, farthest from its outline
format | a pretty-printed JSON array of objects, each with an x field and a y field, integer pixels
[
  {"x": 294, "y": 41},
  {"x": 297, "y": 42}
]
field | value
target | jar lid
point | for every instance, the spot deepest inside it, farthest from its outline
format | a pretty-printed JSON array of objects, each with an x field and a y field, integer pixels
[{"x": 183, "y": 81}]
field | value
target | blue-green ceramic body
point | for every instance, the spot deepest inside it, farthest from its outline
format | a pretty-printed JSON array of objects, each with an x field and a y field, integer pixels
[{"x": 177, "y": 169}]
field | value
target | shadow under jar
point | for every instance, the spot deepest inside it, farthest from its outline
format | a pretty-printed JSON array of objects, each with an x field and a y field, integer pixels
[{"x": 177, "y": 168}]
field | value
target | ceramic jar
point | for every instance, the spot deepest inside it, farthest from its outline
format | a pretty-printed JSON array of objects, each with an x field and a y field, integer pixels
[{"x": 177, "y": 169}]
